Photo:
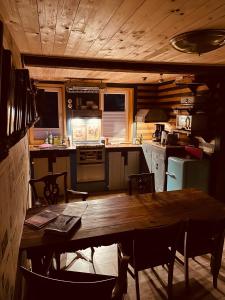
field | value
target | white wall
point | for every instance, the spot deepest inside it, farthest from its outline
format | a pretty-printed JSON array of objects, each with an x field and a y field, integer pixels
[{"x": 14, "y": 177}]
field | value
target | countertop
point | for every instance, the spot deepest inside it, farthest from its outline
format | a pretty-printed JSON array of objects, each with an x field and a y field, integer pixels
[
  {"x": 157, "y": 144},
  {"x": 109, "y": 147}
]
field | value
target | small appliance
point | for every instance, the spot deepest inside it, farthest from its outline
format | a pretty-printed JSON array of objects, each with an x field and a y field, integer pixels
[
  {"x": 157, "y": 134},
  {"x": 187, "y": 173},
  {"x": 164, "y": 137}
]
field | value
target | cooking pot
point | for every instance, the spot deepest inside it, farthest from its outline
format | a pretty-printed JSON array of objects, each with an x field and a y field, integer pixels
[{"x": 172, "y": 138}]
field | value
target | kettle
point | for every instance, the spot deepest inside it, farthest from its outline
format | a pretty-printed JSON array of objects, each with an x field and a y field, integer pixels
[{"x": 164, "y": 137}]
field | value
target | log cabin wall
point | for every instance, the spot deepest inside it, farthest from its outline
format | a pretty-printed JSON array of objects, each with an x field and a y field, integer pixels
[
  {"x": 166, "y": 96},
  {"x": 169, "y": 98},
  {"x": 145, "y": 96},
  {"x": 14, "y": 196}
]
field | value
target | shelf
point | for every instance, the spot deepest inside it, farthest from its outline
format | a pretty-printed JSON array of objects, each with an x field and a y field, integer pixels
[
  {"x": 187, "y": 132},
  {"x": 87, "y": 113}
]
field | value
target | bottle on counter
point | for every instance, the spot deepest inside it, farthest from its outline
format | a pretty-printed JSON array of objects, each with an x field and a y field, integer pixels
[
  {"x": 46, "y": 138},
  {"x": 68, "y": 144},
  {"x": 50, "y": 138}
]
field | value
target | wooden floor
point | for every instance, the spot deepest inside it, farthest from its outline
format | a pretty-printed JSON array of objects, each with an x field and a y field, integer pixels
[{"x": 105, "y": 261}]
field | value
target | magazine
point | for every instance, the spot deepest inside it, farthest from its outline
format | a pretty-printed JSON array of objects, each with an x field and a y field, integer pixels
[
  {"x": 41, "y": 219},
  {"x": 63, "y": 225}
]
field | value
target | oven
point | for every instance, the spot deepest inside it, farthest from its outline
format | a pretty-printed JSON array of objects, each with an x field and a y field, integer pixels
[{"x": 90, "y": 163}]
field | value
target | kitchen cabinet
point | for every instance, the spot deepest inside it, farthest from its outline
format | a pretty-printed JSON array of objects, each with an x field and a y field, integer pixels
[
  {"x": 158, "y": 166},
  {"x": 157, "y": 160},
  {"x": 121, "y": 164}
]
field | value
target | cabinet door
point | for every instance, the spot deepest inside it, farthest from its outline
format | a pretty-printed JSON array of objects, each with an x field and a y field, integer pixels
[
  {"x": 158, "y": 167},
  {"x": 116, "y": 171},
  {"x": 40, "y": 167},
  {"x": 133, "y": 164},
  {"x": 62, "y": 164}
]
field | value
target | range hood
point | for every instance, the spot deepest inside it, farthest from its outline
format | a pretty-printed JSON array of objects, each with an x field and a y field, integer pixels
[{"x": 151, "y": 115}]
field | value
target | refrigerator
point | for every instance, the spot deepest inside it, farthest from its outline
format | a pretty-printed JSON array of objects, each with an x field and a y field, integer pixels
[{"x": 187, "y": 173}]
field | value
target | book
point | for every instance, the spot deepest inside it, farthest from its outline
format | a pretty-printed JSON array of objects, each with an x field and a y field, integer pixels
[
  {"x": 63, "y": 225},
  {"x": 41, "y": 219}
]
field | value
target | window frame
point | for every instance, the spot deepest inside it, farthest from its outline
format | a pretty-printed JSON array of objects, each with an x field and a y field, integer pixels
[
  {"x": 60, "y": 89},
  {"x": 129, "y": 106}
]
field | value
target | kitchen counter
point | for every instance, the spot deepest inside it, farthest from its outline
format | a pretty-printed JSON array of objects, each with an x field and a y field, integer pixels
[
  {"x": 125, "y": 146},
  {"x": 122, "y": 159},
  {"x": 109, "y": 147},
  {"x": 157, "y": 144},
  {"x": 53, "y": 148}
]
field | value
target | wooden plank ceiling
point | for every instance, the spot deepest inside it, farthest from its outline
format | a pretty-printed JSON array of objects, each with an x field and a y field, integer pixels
[{"x": 110, "y": 29}]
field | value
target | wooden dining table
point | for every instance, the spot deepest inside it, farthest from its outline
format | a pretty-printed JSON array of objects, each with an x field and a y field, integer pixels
[{"x": 108, "y": 221}]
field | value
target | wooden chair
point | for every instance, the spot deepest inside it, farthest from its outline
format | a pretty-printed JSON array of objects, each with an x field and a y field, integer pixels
[
  {"x": 150, "y": 248},
  {"x": 75, "y": 285},
  {"x": 202, "y": 237},
  {"x": 141, "y": 183},
  {"x": 51, "y": 196},
  {"x": 51, "y": 190}
]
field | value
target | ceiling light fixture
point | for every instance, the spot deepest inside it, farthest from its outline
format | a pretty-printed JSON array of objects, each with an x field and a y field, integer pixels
[{"x": 199, "y": 41}]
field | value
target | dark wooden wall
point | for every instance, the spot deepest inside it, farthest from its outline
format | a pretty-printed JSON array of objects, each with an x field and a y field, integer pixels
[{"x": 167, "y": 96}]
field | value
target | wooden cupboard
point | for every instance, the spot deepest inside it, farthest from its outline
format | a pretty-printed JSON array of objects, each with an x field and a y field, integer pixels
[{"x": 121, "y": 164}]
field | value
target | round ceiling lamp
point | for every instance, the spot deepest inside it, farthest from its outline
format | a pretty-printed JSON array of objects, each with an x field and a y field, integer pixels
[{"x": 199, "y": 41}]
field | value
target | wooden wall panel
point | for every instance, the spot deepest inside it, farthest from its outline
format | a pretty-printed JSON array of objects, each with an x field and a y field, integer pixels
[
  {"x": 145, "y": 95},
  {"x": 166, "y": 96},
  {"x": 14, "y": 176},
  {"x": 14, "y": 196}
]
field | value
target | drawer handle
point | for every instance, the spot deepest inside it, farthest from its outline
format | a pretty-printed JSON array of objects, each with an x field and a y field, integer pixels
[
  {"x": 157, "y": 166},
  {"x": 171, "y": 175}
]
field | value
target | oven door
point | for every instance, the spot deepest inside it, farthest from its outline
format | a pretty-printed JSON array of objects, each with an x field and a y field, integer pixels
[{"x": 90, "y": 172}]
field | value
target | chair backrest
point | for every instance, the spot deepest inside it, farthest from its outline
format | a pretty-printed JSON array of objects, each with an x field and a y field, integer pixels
[
  {"x": 45, "y": 288},
  {"x": 50, "y": 188},
  {"x": 203, "y": 236},
  {"x": 141, "y": 183},
  {"x": 76, "y": 285},
  {"x": 156, "y": 246}
]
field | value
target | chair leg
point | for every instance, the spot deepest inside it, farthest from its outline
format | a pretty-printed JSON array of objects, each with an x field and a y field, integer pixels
[
  {"x": 57, "y": 260},
  {"x": 186, "y": 273},
  {"x": 137, "y": 284},
  {"x": 215, "y": 276},
  {"x": 119, "y": 256},
  {"x": 92, "y": 254},
  {"x": 214, "y": 270},
  {"x": 170, "y": 280}
]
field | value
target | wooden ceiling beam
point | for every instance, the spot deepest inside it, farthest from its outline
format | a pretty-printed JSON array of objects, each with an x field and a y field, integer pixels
[{"x": 120, "y": 65}]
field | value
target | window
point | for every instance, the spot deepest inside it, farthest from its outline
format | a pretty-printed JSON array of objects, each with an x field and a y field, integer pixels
[
  {"x": 47, "y": 108},
  {"x": 117, "y": 113},
  {"x": 51, "y": 112}
]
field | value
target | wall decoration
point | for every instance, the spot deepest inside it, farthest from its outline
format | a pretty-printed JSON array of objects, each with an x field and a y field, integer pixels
[
  {"x": 93, "y": 131},
  {"x": 79, "y": 133}
]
